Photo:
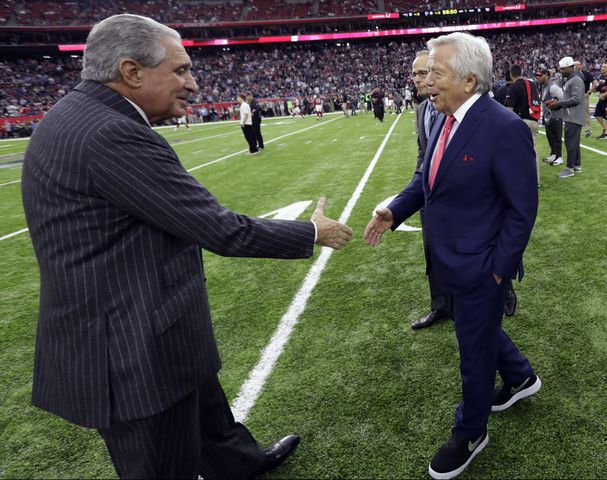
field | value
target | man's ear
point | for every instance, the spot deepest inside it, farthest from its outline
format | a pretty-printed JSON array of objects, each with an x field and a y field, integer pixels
[
  {"x": 470, "y": 84},
  {"x": 131, "y": 73}
]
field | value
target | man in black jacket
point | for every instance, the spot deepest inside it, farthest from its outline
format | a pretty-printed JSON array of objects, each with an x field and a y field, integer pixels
[{"x": 256, "y": 112}]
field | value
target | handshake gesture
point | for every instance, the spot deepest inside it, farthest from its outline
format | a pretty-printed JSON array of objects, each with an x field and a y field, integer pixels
[{"x": 329, "y": 233}]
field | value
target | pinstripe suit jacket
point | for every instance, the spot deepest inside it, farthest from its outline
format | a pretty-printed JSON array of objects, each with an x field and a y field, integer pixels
[{"x": 117, "y": 224}]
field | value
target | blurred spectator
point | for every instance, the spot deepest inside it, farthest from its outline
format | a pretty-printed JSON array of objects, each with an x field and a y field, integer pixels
[{"x": 301, "y": 70}]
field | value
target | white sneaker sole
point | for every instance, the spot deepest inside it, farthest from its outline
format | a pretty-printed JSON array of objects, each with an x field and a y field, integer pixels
[
  {"x": 457, "y": 471},
  {"x": 522, "y": 394}
]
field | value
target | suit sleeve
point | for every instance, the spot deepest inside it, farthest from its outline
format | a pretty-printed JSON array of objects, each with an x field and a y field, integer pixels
[
  {"x": 135, "y": 169},
  {"x": 409, "y": 201},
  {"x": 514, "y": 168}
]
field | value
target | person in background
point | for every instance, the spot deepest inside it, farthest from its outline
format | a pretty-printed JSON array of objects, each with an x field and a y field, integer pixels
[
  {"x": 427, "y": 119},
  {"x": 588, "y": 79},
  {"x": 551, "y": 119},
  {"x": 572, "y": 104},
  {"x": 256, "y": 119},
  {"x": 246, "y": 124},
  {"x": 517, "y": 100},
  {"x": 599, "y": 85}
]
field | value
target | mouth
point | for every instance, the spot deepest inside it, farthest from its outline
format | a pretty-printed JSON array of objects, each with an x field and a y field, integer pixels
[{"x": 433, "y": 97}]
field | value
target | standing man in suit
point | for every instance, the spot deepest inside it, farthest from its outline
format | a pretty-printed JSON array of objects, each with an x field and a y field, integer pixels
[
  {"x": 125, "y": 340},
  {"x": 256, "y": 118},
  {"x": 478, "y": 189},
  {"x": 427, "y": 118}
]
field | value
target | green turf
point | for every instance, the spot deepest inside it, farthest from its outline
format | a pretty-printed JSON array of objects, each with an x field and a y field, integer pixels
[{"x": 370, "y": 397}]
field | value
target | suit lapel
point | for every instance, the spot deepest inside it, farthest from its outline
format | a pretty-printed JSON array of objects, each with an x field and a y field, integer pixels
[
  {"x": 421, "y": 117},
  {"x": 466, "y": 129},
  {"x": 110, "y": 98}
]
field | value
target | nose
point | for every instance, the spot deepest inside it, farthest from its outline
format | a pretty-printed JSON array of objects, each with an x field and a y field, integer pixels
[{"x": 190, "y": 83}]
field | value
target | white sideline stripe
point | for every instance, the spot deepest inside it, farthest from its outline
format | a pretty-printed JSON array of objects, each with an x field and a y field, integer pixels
[
  {"x": 13, "y": 234},
  {"x": 9, "y": 183},
  {"x": 269, "y": 141},
  {"x": 253, "y": 386},
  {"x": 600, "y": 152}
]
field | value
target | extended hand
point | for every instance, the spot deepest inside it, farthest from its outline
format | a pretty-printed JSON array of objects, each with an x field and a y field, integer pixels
[
  {"x": 551, "y": 104},
  {"x": 381, "y": 221},
  {"x": 329, "y": 233}
]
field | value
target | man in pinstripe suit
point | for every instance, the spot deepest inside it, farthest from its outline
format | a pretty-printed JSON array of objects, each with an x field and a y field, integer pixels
[{"x": 125, "y": 342}]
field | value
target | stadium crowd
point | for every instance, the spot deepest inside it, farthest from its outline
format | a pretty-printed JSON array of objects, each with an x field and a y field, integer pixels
[
  {"x": 74, "y": 12},
  {"x": 31, "y": 86}
]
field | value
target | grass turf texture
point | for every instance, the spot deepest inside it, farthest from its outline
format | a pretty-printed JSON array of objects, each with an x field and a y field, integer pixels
[{"x": 370, "y": 397}]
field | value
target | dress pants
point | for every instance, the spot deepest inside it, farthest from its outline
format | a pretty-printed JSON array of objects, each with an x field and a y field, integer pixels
[
  {"x": 249, "y": 136},
  {"x": 257, "y": 132},
  {"x": 195, "y": 436},
  {"x": 438, "y": 300},
  {"x": 378, "y": 111},
  {"x": 484, "y": 348},
  {"x": 572, "y": 144},
  {"x": 554, "y": 135}
]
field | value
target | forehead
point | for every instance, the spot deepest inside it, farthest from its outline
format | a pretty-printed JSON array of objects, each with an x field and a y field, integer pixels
[
  {"x": 440, "y": 55},
  {"x": 175, "y": 53},
  {"x": 420, "y": 62}
]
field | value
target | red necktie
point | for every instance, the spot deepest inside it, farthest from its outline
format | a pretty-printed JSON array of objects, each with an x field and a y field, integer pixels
[{"x": 440, "y": 149}]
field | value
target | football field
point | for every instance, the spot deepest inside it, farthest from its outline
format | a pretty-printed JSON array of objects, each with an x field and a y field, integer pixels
[{"x": 323, "y": 347}]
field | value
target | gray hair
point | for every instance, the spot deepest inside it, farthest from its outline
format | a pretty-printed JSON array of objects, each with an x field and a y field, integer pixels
[
  {"x": 421, "y": 53},
  {"x": 123, "y": 36},
  {"x": 472, "y": 57}
]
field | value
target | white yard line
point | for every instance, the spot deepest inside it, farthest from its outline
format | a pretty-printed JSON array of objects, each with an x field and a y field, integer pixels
[
  {"x": 13, "y": 234},
  {"x": 9, "y": 183},
  {"x": 253, "y": 386},
  {"x": 320, "y": 124}
]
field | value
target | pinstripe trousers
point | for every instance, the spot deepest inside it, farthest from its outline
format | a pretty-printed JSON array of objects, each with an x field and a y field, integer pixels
[{"x": 196, "y": 436}]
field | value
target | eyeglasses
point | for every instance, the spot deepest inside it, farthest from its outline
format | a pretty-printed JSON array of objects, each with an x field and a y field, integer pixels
[{"x": 420, "y": 73}]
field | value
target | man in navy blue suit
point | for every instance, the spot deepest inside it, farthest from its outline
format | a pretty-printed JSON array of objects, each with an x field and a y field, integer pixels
[{"x": 478, "y": 186}]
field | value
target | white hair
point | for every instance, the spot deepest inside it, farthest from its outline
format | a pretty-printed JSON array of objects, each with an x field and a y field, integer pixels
[
  {"x": 472, "y": 57},
  {"x": 123, "y": 36}
]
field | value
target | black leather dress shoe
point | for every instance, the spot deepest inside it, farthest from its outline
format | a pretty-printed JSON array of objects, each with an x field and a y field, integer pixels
[
  {"x": 428, "y": 320},
  {"x": 278, "y": 452},
  {"x": 510, "y": 301}
]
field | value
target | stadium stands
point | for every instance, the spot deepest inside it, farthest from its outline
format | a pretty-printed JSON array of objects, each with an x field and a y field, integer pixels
[
  {"x": 30, "y": 86},
  {"x": 76, "y": 12}
]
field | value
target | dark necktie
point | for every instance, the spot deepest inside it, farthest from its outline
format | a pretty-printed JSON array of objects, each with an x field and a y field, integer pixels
[{"x": 431, "y": 115}]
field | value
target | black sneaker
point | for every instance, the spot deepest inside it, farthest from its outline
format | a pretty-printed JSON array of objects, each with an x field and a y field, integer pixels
[
  {"x": 455, "y": 455},
  {"x": 602, "y": 136},
  {"x": 507, "y": 395}
]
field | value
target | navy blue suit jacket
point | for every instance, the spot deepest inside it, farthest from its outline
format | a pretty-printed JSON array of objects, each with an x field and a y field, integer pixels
[
  {"x": 480, "y": 213},
  {"x": 124, "y": 327}
]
